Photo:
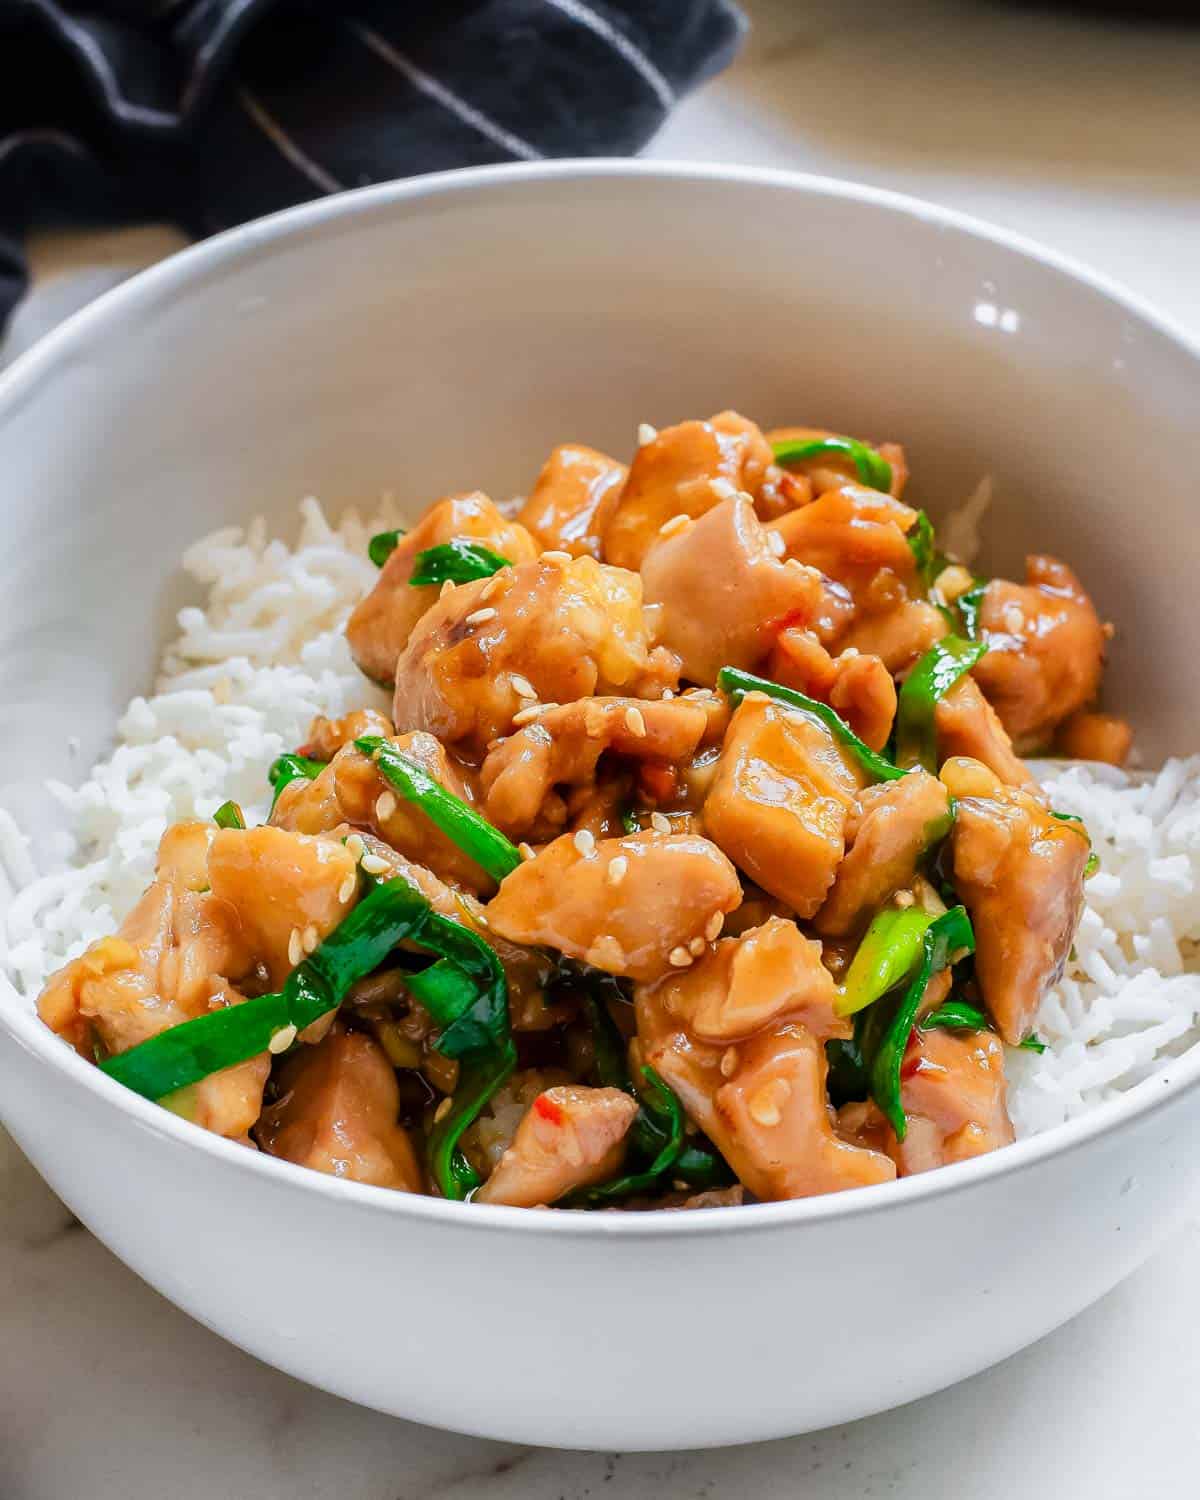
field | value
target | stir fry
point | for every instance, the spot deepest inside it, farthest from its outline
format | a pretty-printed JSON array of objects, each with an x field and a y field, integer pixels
[{"x": 695, "y": 864}]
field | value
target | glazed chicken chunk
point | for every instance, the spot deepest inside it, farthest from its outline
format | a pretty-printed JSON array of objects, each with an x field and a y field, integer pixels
[
  {"x": 569, "y": 507},
  {"x": 379, "y": 628},
  {"x": 570, "y": 1138}
]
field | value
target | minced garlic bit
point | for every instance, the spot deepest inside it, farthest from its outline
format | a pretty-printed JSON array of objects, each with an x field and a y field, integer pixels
[
  {"x": 282, "y": 1039},
  {"x": 585, "y": 842}
]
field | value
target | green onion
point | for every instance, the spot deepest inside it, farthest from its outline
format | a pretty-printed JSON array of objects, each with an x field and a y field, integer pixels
[
  {"x": 736, "y": 684},
  {"x": 629, "y": 820},
  {"x": 457, "y": 562},
  {"x": 192, "y": 1050},
  {"x": 891, "y": 947},
  {"x": 289, "y": 768},
  {"x": 882, "y": 1030},
  {"x": 955, "y": 1015},
  {"x": 1093, "y": 860},
  {"x": 929, "y": 681},
  {"x": 873, "y": 469},
  {"x": 968, "y": 606},
  {"x": 474, "y": 835},
  {"x": 229, "y": 815},
  {"x": 921, "y": 544},
  {"x": 382, "y": 545},
  {"x": 1032, "y": 1043},
  {"x": 478, "y": 1079}
]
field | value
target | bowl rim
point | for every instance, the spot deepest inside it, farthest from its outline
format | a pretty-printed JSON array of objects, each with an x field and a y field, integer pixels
[{"x": 261, "y": 236}]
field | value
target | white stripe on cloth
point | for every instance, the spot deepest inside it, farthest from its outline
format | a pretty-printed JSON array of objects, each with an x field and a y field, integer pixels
[
  {"x": 438, "y": 91},
  {"x": 621, "y": 44},
  {"x": 204, "y": 56},
  {"x": 285, "y": 145}
]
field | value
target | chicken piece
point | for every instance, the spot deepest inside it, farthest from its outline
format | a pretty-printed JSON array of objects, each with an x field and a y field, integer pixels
[
  {"x": 684, "y": 470},
  {"x": 548, "y": 631},
  {"x": 351, "y": 789},
  {"x": 575, "y": 494},
  {"x": 851, "y": 534},
  {"x": 780, "y": 800},
  {"x": 289, "y": 890},
  {"x": 380, "y": 626},
  {"x": 952, "y": 1090},
  {"x": 336, "y": 1113},
  {"x": 900, "y": 821},
  {"x": 630, "y": 906},
  {"x": 570, "y": 1138},
  {"x": 173, "y": 959},
  {"x": 563, "y": 746},
  {"x": 1045, "y": 651},
  {"x": 831, "y": 471},
  {"x": 859, "y": 687},
  {"x": 327, "y": 736},
  {"x": 1088, "y": 736},
  {"x": 898, "y": 634},
  {"x": 726, "y": 560},
  {"x": 1019, "y": 871},
  {"x": 968, "y": 725},
  {"x": 183, "y": 853},
  {"x": 772, "y": 1121},
  {"x": 748, "y": 982}
]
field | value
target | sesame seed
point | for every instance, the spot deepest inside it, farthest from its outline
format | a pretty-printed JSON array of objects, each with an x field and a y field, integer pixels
[
  {"x": 765, "y": 1106},
  {"x": 527, "y": 715},
  {"x": 585, "y": 842},
  {"x": 385, "y": 806},
  {"x": 904, "y": 899},
  {"x": 849, "y": 653},
  {"x": 646, "y": 434},
  {"x": 606, "y": 952},
  {"x": 282, "y": 1039},
  {"x": 447, "y": 588},
  {"x": 675, "y": 525},
  {"x": 796, "y": 564},
  {"x": 523, "y": 687},
  {"x": 697, "y": 946},
  {"x": 1014, "y": 618},
  {"x": 442, "y": 1110},
  {"x": 480, "y": 616},
  {"x": 486, "y": 592},
  {"x": 635, "y": 723},
  {"x": 295, "y": 947},
  {"x": 713, "y": 926},
  {"x": 729, "y": 1062},
  {"x": 374, "y": 865},
  {"x": 723, "y": 489},
  {"x": 355, "y": 847},
  {"x": 679, "y": 1185},
  {"x": 659, "y": 822},
  {"x": 776, "y": 543},
  {"x": 561, "y": 558},
  {"x": 680, "y": 957},
  {"x": 667, "y": 695},
  {"x": 526, "y": 851},
  {"x": 311, "y": 938},
  {"x": 347, "y": 888},
  {"x": 593, "y": 719},
  {"x": 617, "y": 870}
]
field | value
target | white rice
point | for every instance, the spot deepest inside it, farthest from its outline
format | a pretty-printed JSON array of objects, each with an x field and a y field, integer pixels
[{"x": 242, "y": 680}]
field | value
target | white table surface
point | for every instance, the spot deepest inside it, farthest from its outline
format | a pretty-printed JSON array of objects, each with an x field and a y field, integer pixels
[{"x": 1082, "y": 133}]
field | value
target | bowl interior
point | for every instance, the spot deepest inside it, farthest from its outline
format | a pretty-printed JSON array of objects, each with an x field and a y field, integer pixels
[{"x": 443, "y": 335}]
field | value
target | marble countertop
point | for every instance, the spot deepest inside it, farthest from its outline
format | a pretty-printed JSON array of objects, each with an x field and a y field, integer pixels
[{"x": 1081, "y": 132}]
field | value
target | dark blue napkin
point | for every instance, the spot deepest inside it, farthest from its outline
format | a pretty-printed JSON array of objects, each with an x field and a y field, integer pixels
[{"x": 208, "y": 112}]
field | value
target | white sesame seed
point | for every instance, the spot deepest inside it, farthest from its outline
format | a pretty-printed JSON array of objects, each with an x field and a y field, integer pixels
[
  {"x": 310, "y": 938},
  {"x": 527, "y": 715},
  {"x": 593, "y": 719},
  {"x": 522, "y": 686},
  {"x": 729, "y": 1062},
  {"x": 723, "y": 489},
  {"x": 635, "y": 722},
  {"x": 560, "y": 558},
  {"x": 713, "y": 926},
  {"x": 295, "y": 947},
  {"x": 849, "y": 653},
  {"x": 480, "y": 616},
  {"x": 764, "y": 1110},
  {"x": 796, "y": 564},
  {"x": 442, "y": 1110},
  {"x": 646, "y": 434},
  {"x": 1014, "y": 618},
  {"x": 680, "y": 957},
  {"x": 617, "y": 870},
  {"x": 776, "y": 543},
  {"x": 676, "y": 524},
  {"x": 667, "y": 695},
  {"x": 374, "y": 865},
  {"x": 526, "y": 851},
  {"x": 354, "y": 847},
  {"x": 385, "y": 806},
  {"x": 697, "y": 946},
  {"x": 904, "y": 898},
  {"x": 660, "y": 823},
  {"x": 486, "y": 592},
  {"x": 585, "y": 842},
  {"x": 447, "y": 588},
  {"x": 282, "y": 1039},
  {"x": 347, "y": 888}
]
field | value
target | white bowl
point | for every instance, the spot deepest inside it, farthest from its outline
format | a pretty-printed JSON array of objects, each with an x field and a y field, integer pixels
[{"x": 444, "y": 333}]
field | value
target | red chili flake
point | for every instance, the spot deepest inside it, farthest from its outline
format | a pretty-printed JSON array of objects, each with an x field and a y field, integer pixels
[
  {"x": 546, "y": 1107},
  {"x": 914, "y": 1057},
  {"x": 795, "y": 616}
]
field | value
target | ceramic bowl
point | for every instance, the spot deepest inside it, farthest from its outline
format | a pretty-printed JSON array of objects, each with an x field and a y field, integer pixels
[{"x": 442, "y": 334}]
